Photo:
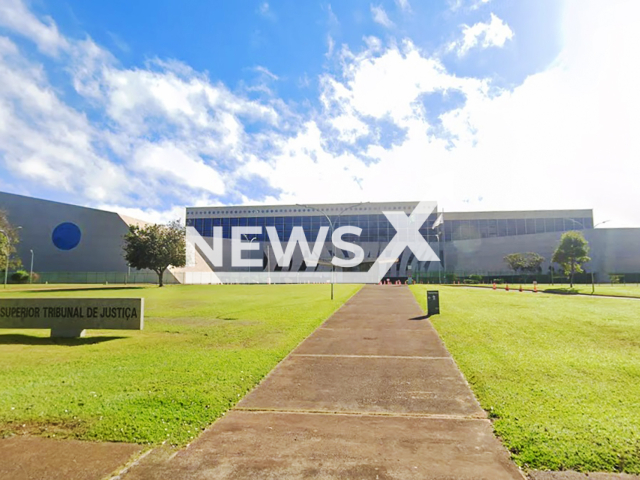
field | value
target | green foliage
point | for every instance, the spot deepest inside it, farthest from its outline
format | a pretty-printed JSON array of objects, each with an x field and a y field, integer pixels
[
  {"x": 558, "y": 374},
  {"x": 202, "y": 349},
  {"x": 571, "y": 253},
  {"x": 515, "y": 261},
  {"x": 155, "y": 247},
  {"x": 616, "y": 278},
  {"x": 12, "y": 233},
  {"x": 21, "y": 276},
  {"x": 533, "y": 262},
  {"x": 476, "y": 278},
  {"x": 529, "y": 262}
]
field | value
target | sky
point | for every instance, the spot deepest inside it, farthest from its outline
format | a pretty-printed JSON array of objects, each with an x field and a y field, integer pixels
[{"x": 147, "y": 107}]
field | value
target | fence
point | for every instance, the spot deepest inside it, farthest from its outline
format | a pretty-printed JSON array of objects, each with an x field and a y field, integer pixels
[
  {"x": 510, "y": 277},
  {"x": 261, "y": 277},
  {"x": 101, "y": 277}
]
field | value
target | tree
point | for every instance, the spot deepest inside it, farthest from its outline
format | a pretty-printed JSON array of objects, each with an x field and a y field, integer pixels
[
  {"x": 532, "y": 262},
  {"x": 571, "y": 253},
  {"x": 11, "y": 234},
  {"x": 515, "y": 261},
  {"x": 156, "y": 247},
  {"x": 529, "y": 262}
]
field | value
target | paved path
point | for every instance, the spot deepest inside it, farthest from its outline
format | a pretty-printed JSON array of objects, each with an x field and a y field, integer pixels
[
  {"x": 25, "y": 457},
  {"x": 371, "y": 394}
]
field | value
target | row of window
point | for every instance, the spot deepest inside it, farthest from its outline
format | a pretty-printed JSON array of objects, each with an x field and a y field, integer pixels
[
  {"x": 377, "y": 227},
  {"x": 356, "y": 220},
  {"x": 297, "y": 209},
  {"x": 470, "y": 229},
  {"x": 374, "y": 227}
]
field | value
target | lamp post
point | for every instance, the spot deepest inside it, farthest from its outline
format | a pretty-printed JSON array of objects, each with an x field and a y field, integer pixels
[
  {"x": 6, "y": 268},
  {"x": 31, "y": 269},
  {"x": 333, "y": 268},
  {"x": 441, "y": 261}
]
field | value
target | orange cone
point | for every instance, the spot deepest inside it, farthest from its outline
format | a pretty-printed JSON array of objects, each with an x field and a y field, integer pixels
[
  {"x": 494, "y": 285},
  {"x": 507, "y": 287}
]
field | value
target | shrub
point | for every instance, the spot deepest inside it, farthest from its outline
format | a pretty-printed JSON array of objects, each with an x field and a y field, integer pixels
[
  {"x": 21, "y": 276},
  {"x": 477, "y": 278},
  {"x": 470, "y": 281}
]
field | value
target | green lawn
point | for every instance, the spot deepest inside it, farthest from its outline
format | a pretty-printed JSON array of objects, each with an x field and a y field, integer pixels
[
  {"x": 560, "y": 375},
  {"x": 617, "y": 290},
  {"x": 201, "y": 350},
  {"x": 606, "y": 289}
]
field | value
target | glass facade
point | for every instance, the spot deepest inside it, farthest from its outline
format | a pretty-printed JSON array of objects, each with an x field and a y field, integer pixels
[
  {"x": 375, "y": 228},
  {"x": 488, "y": 228},
  {"x": 376, "y": 232}
]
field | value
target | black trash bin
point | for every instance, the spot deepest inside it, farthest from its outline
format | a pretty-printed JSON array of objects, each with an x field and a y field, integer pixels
[{"x": 433, "y": 302}]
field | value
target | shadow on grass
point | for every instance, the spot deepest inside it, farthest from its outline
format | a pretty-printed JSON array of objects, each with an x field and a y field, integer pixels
[
  {"x": 562, "y": 291},
  {"x": 19, "y": 339},
  {"x": 78, "y": 289},
  {"x": 422, "y": 317}
]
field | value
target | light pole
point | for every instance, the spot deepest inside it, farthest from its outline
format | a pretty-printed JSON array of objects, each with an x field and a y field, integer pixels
[
  {"x": 6, "y": 268},
  {"x": 31, "y": 269},
  {"x": 441, "y": 261},
  {"x": 576, "y": 222},
  {"x": 333, "y": 268}
]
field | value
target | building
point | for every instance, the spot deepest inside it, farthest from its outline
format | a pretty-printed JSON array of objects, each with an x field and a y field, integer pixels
[
  {"x": 69, "y": 243},
  {"x": 84, "y": 245},
  {"x": 466, "y": 242}
]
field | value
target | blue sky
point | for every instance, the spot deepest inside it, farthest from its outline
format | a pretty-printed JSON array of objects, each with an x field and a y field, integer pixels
[{"x": 146, "y": 107}]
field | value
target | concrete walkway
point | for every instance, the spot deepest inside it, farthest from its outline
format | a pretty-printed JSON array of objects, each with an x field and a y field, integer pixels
[
  {"x": 371, "y": 394},
  {"x": 24, "y": 457}
]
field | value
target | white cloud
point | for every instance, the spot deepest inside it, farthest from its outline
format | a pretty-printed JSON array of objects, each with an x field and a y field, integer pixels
[
  {"x": 479, "y": 3},
  {"x": 469, "y": 5},
  {"x": 174, "y": 212},
  {"x": 266, "y": 72},
  {"x": 15, "y": 16},
  {"x": 196, "y": 126},
  {"x": 44, "y": 140},
  {"x": 380, "y": 16},
  {"x": 173, "y": 162},
  {"x": 404, "y": 5},
  {"x": 565, "y": 138},
  {"x": 331, "y": 44},
  {"x": 483, "y": 35},
  {"x": 388, "y": 84},
  {"x": 265, "y": 10}
]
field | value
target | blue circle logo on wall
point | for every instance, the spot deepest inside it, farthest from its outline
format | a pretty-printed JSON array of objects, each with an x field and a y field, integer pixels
[{"x": 66, "y": 236}]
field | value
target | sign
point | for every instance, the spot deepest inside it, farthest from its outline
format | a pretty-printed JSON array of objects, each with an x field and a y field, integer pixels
[
  {"x": 69, "y": 317},
  {"x": 433, "y": 302}
]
